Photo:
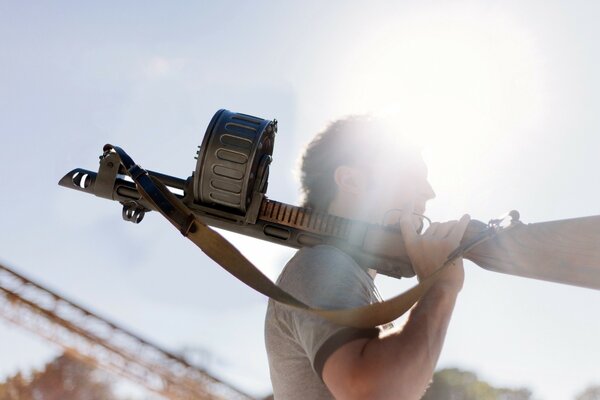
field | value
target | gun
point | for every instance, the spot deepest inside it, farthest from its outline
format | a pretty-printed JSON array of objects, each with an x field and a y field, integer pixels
[{"x": 228, "y": 190}]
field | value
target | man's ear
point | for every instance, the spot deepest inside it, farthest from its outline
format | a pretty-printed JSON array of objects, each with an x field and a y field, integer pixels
[{"x": 350, "y": 179}]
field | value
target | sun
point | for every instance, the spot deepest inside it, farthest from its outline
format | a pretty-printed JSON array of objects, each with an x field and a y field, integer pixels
[{"x": 454, "y": 84}]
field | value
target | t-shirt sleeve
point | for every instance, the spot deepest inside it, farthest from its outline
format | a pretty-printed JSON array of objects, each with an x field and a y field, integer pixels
[{"x": 325, "y": 277}]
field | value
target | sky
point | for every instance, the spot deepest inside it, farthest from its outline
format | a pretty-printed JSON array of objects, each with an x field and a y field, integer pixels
[{"x": 502, "y": 95}]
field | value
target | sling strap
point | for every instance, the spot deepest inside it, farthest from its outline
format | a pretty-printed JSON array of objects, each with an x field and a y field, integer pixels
[{"x": 229, "y": 257}]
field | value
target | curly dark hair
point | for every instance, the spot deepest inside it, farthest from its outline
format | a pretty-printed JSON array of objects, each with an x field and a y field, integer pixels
[{"x": 345, "y": 141}]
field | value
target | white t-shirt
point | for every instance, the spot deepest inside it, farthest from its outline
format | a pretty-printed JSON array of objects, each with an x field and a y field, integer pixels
[{"x": 298, "y": 343}]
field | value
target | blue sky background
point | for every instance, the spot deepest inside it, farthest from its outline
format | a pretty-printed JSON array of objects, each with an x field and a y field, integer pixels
[{"x": 504, "y": 96}]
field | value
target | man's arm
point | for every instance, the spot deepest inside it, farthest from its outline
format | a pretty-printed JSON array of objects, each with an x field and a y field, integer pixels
[
  {"x": 397, "y": 366},
  {"x": 401, "y": 365}
]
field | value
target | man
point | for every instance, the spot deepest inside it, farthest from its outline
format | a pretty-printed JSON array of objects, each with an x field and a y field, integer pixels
[{"x": 353, "y": 170}]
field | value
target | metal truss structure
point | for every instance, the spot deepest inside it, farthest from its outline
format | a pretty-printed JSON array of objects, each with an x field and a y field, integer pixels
[{"x": 103, "y": 344}]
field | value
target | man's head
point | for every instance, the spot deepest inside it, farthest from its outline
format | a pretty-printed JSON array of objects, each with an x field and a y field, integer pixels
[{"x": 356, "y": 168}]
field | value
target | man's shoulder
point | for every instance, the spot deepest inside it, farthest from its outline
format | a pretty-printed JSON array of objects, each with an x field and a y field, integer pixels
[
  {"x": 320, "y": 260},
  {"x": 320, "y": 272}
]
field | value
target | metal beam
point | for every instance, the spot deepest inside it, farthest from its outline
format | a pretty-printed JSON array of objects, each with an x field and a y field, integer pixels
[{"x": 100, "y": 342}]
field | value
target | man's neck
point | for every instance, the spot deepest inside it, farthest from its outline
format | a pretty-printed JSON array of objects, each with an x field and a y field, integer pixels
[
  {"x": 349, "y": 208},
  {"x": 343, "y": 207}
]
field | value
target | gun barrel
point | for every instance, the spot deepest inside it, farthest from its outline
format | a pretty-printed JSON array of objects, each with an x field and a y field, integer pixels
[
  {"x": 79, "y": 179},
  {"x": 123, "y": 189}
]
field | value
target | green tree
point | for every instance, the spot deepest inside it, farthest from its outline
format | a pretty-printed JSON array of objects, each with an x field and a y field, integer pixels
[
  {"x": 63, "y": 378},
  {"x": 456, "y": 384}
]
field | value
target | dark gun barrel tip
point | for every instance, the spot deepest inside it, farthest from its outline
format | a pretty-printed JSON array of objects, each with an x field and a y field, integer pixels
[
  {"x": 78, "y": 179},
  {"x": 67, "y": 180}
]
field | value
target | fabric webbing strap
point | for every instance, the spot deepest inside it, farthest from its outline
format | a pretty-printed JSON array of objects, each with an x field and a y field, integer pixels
[{"x": 229, "y": 257}]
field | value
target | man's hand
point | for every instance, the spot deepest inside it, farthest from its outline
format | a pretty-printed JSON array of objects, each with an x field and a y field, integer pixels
[
  {"x": 429, "y": 251},
  {"x": 400, "y": 365}
]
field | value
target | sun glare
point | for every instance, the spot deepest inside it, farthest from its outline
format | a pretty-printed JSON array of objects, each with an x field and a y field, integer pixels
[{"x": 455, "y": 85}]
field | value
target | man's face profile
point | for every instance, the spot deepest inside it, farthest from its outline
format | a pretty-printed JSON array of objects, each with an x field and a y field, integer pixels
[{"x": 377, "y": 191}]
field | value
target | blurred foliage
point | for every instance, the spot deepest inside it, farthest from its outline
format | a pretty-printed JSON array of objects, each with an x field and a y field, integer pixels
[
  {"x": 591, "y": 393},
  {"x": 456, "y": 384},
  {"x": 66, "y": 378},
  {"x": 63, "y": 378}
]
